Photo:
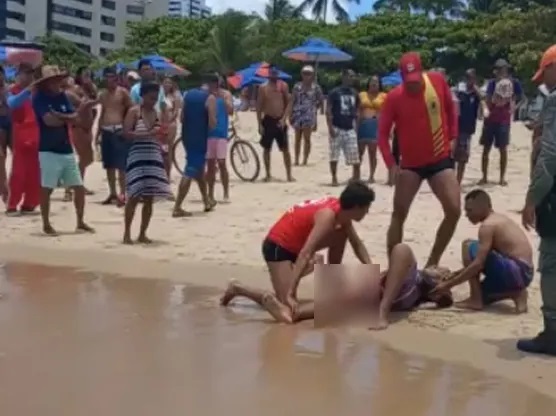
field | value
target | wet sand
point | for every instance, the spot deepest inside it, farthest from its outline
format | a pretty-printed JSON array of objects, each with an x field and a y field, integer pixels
[{"x": 75, "y": 342}]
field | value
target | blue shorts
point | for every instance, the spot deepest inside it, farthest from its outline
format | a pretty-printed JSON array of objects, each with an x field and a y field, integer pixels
[
  {"x": 195, "y": 160},
  {"x": 367, "y": 131},
  {"x": 6, "y": 127},
  {"x": 59, "y": 169},
  {"x": 503, "y": 274},
  {"x": 114, "y": 149},
  {"x": 497, "y": 134}
]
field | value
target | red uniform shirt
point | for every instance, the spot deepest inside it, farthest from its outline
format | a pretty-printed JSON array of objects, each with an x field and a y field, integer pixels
[
  {"x": 409, "y": 113},
  {"x": 293, "y": 228},
  {"x": 24, "y": 123}
]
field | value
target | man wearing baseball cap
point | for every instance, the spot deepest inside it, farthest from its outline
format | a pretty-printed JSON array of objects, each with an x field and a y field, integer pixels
[
  {"x": 539, "y": 209},
  {"x": 424, "y": 114}
]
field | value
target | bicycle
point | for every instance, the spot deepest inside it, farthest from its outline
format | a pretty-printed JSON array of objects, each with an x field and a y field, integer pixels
[{"x": 243, "y": 155}]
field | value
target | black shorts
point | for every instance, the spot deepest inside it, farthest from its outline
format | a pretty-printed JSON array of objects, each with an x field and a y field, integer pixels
[
  {"x": 273, "y": 252},
  {"x": 272, "y": 131},
  {"x": 428, "y": 171}
]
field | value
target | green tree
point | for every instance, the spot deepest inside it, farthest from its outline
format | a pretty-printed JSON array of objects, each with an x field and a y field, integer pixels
[
  {"x": 66, "y": 54},
  {"x": 280, "y": 9},
  {"x": 319, "y": 9}
]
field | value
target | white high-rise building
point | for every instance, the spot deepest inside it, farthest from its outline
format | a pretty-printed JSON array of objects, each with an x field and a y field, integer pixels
[
  {"x": 188, "y": 8},
  {"x": 96, "y": 26}
]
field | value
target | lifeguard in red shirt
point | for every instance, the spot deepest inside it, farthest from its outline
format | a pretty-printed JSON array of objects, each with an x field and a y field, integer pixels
[
  {"x": 290, "y": 246},
  {"x": 424, "y": 115}
]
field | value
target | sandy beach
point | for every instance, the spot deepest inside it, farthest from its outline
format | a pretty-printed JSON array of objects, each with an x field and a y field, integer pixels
[{"x": 209, "y": 249}]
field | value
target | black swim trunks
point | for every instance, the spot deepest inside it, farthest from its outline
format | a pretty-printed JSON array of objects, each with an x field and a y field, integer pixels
[
  {"x": 428, "y": 171},
  {"x": 272, "y": 131},
  {"x": 273, "y": 252}
]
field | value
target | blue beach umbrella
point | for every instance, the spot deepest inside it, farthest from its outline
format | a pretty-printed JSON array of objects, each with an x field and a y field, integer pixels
[
  {"x": 392, "y": 80},
  {"x": 254, "y": 74},
  {"x": 162, "y": 65},
  {"x": 317, "y": 50}
]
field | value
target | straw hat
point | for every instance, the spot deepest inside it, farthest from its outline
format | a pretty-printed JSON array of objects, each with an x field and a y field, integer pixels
[{"x": 49, "y": 72}]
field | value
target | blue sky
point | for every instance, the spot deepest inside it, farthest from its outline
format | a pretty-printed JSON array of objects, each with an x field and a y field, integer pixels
[
  {"x": 359, "y": 9},
  {"x": 220, "y": 6}
]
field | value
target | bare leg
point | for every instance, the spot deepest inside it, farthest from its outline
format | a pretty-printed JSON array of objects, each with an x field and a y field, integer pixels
[
  {"x": 484, "y": 165},
  {"x": 183, "y": 190},
  {"x": 306, "y": 144},
  {"x": 362, "y": 148},
  {"x": 121, "y": 182},
  {"x": 334, "y": 172},
  {"x": 79, "y": 203},
  {"x": 202, "y": 184},
  {"x": 356, "y": 172},
  {"x": 45, "y": 212},
  {"x": 211, "y": 177},
  {"x": 399, "y": 265},
  {"x": 460, "y": 171},
  {"x": 475, "y": 299},
  {"x": 288, "y": 164},
  {"x": 266, "y": 162},
  {"x": 129, "y": 213},
  {"x": 445, "y": 187},
  {"x": 224, "y": 178},
  {"x": 407, "y": 186},
  {"x": 111, "y": 178},
  {"x": 503, "y": 165},
  {"x": 146, "y": 215},
  {"x": 372, "y": 161},
  {"x": 297, "y": 146}
]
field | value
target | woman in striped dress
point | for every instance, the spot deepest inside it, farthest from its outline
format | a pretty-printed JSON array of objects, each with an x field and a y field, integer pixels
[{"x": 145, "y": 176}]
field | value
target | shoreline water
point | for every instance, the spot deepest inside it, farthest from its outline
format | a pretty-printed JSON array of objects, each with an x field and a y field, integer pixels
[{"x": 496, "y": 357}]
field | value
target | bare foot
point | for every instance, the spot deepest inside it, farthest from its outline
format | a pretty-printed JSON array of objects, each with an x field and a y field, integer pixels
[
  {"x": 503, "y": 182},
  {"x": 482, "y": 182},
  {"x": 49, "y": 230},
  {"x": 143, "y": 239},
  {"x": 230, "y": 293},
  {"x": 371, "y": 180},
  {"x": 318, "y": 259},
  {"x": 211, "y": 205},
  {"x": 521, "y": 302},
  {"x": 291, "y": 179},
  {"x": 380, "y": 324},
  {"x": 469, "y": 304},
  {"x": 180, "y": 213},
  {"x": 127, "y": 240},
  {"x": 334, "y": 182},
  {"x": 279, "y": 311},
  {"x": 267, "y": 179},
  {"x": 171, "y": 198},
  {"x": 88, "y": 192},
  {"x": 86, "y": 228},
  {"x": 226, "y": 199},
  {"x": 67, "y": 196}
]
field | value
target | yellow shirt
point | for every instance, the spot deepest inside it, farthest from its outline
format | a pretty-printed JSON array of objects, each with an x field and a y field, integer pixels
[{"x": 374, "y": 103}]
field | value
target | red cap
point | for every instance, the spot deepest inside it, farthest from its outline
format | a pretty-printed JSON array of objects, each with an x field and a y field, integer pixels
[
  {"x": 410, "y": 67},
  {"x": 548, "y": 58}
]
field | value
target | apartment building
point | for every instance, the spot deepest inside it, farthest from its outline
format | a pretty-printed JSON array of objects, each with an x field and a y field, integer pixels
[
  {"x": 96, "y": 26},
  {"x": 188, "y": 8}
]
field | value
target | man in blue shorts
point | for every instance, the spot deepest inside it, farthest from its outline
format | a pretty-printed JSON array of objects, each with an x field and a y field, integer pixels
[
  {"x": 198, "y": 119},
  {"x": 502, "y": 254},
  {"x": 54, "y": 114}
]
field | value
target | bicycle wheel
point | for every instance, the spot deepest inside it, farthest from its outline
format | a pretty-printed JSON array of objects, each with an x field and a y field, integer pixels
[
  {"x": 245, "y": 160},
  {"x": 178, "y": 155}
]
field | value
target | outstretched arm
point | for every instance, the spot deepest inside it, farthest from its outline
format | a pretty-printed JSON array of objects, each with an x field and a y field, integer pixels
[{"x": 358, "y": 247}]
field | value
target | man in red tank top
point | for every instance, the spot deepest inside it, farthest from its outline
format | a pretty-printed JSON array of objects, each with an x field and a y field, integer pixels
[{"x": 290, "y": 246}]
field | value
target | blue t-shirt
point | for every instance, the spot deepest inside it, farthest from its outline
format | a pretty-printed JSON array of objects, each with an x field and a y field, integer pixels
[
  {"x": 52, "y": 139},
  {"x": 469, "y": 104},
  {"x": 221, "y": 129},
  {"x": 195, "y": 120}
]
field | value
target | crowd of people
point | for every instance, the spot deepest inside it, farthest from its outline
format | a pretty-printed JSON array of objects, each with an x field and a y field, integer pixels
[{"x": 422, "y": 129}]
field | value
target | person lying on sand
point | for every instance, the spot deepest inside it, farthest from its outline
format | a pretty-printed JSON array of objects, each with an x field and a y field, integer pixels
[
  {"x": 326, "y": 223},
  {"x": 502, "y": 253},
  {"x": 403, "y": 288}
]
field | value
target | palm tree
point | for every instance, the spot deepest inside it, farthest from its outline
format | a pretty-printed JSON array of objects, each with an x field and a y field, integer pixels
[
  {"x": 319, "y": 9},
  {"x": 280, "y": 9},
  {"x": 435, "y": 7}
]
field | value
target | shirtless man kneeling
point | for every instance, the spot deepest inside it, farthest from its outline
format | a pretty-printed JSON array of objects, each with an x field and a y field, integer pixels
[
  {"x": 290, "y": 246},
  {"x": 502, "y": 253},
  {"x": 403, "y": 288}
]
